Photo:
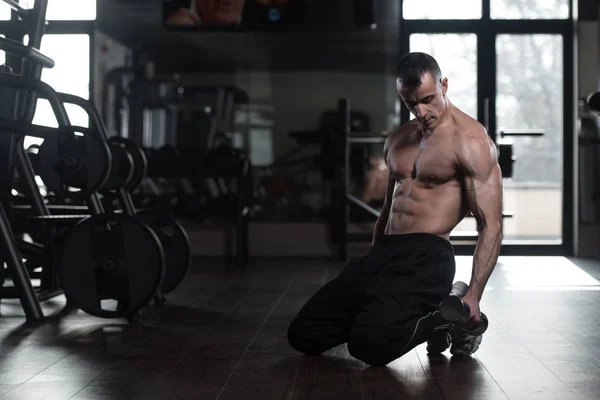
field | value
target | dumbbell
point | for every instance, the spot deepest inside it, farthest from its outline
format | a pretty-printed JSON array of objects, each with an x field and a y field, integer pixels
[{"x": 453, "y": 309}]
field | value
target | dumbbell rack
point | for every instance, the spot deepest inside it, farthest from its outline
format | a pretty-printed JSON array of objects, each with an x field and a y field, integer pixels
[{"x": 20, "y": 105}]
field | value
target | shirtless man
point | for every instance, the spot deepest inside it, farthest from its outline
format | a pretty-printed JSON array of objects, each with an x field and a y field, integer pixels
[{"x": 442, "y": 165}]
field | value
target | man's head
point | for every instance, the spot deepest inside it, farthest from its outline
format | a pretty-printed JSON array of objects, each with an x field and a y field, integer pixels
[
  {"x": 420, "y": 85},
  {"x": 220, "y": 12}
]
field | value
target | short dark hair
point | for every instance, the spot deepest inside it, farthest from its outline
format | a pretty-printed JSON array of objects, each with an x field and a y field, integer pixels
[{"x": 412, "y": 66}]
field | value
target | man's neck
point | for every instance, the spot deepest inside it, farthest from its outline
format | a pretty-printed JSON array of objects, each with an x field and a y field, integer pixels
[{"x": 445, "y": 120}]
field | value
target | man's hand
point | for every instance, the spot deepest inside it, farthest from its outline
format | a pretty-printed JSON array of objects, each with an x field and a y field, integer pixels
[{"x": 473, "y": 302}]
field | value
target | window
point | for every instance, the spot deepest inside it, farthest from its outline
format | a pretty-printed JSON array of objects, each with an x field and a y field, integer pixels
[
  {"x": 441, "y": 9},
  {"x": 456, "y": 54},
  {"x": 4, "y": 11},
  {"x": 256, "y": 123},
  {"x": 67, "y": 10},
  {"x": 529, "y": 9},
  {"x": 2, "y": 53},
  {"x": 530, "y": 97},
  {"x": 71, "y": 53}
]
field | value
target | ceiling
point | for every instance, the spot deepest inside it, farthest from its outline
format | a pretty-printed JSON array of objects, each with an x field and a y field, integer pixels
[{"x": 137, "y": 24}]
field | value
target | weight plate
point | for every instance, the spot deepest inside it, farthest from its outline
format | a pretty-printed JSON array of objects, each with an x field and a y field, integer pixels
[
  {"x": 593, "y": 101},
  {"x": 140, "y": 162},
  {"x": 176, "y": 245},
  {"x": 110, "y": 257},
  {"x": 169, "y": 162},
  {"x": 153, "y": 162},
  {"x": 74, "y": 166},
  {"x": 121, "y": 169},
  {"x": 506, "y": 159}
]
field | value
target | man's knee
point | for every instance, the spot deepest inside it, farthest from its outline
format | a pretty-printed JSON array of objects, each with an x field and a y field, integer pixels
[
  {"x": 299, "y": 336},
  {"x": 376, "y": 353}
]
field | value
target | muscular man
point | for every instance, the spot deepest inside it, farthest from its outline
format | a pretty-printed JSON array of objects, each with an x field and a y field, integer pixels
[{"x": 442, "y": 166}]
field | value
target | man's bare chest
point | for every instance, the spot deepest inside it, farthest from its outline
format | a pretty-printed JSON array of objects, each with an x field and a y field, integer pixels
[{"x": 427, "y": 163}]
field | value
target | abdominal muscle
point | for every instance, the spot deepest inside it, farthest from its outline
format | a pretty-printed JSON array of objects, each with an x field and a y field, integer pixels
[{"x": 417, "y": 208}]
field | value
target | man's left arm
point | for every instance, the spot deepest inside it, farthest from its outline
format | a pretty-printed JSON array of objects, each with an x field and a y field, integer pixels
[{"x": 483, "y": 187}]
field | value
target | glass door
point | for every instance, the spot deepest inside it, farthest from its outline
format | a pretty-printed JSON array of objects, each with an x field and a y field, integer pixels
[
  {"x": 510, "y": 67},
  {"x": 529, "y": 114}
]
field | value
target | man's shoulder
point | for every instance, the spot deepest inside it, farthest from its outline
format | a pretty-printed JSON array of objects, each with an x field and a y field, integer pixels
[
  {"x": 405, "y": 132},
  {"x": 470, "y": 133},
  {"x": 473, "y": 144}
]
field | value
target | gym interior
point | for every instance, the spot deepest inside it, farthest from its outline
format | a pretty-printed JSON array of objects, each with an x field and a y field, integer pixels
[{"x": 233, "y": 162}]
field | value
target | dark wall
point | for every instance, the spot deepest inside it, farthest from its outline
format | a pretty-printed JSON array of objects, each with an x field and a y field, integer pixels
[{"x": 587, "y": 10}]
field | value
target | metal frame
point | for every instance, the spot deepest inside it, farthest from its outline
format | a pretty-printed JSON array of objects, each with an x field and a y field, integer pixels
[
  {"x": 33, "y": 23},
  {"x": 486, "y": 30},
  {"x": 22, "y": 108}
]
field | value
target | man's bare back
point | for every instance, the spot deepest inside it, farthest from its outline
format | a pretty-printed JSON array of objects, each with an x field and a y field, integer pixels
[{"x": 427, "y": 188}]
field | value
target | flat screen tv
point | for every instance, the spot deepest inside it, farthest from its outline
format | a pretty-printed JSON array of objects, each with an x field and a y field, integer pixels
[{"x": 199, "y": 15}]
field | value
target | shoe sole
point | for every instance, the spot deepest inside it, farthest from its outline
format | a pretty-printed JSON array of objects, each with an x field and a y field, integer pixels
[{"x": 460, "y": 352}]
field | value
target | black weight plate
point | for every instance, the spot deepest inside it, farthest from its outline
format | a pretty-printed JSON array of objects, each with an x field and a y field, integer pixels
[
  {"x": 593, "y": 101},
  {"x": 121, "y": 169},
  {"x": 140, "y": 162},
  {"x": 70, "y": 161},
  {"x": 153, "y": 162},
  {"x": 169, "y": 163},
  {"x": 506, "y": 159},
  {"x": 176, "y": 245},
  {"x": 110, "y": 257}
]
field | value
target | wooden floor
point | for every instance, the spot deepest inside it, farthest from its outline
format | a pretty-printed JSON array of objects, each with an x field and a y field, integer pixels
[{"x": 222, "y": 336}]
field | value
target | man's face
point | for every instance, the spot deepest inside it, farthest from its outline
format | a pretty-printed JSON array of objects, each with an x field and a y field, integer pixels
[
  {"x": 427, "y": 101},
  {"x": 220, "y": 12}
]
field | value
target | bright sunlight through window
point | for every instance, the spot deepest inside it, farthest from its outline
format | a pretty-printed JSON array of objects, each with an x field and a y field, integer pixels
[
  {"x": 522, "y": 273},
  {"x": 2, "y": 55},
  {"x": 499, "y": 9},
  {"x": 4, "y": 11},
  {"x": 546, "y": 273},
  {"x": 71, "y": 53},
  {"x": 529, "y": 9},
  {"x": 441, "y": 9},
  {"x": 67, "y": 10}
]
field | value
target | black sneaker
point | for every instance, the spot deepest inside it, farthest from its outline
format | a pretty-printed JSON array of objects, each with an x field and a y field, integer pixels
[
  {"x": 463, "y": 343},
  {"x": 440, "y": 339}
]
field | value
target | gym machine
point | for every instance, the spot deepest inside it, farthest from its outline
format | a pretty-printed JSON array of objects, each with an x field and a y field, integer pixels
[
  {"x": 589, "y": 140},
  {"x": 207, "y": 185},
  {"x": 92, "y": 257},
  {"x": 19, "y": 105},
  {"x": 147, "y": 253},
  {"x": 193, "y": 166},
  {"x": 195, "y": 116}
]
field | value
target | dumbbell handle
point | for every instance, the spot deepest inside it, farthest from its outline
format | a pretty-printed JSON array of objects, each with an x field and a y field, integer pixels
[{"x": 453, "y": 309}]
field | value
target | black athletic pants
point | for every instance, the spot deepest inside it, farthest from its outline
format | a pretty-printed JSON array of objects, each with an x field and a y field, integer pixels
[{"x": 383, "y": 304}]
